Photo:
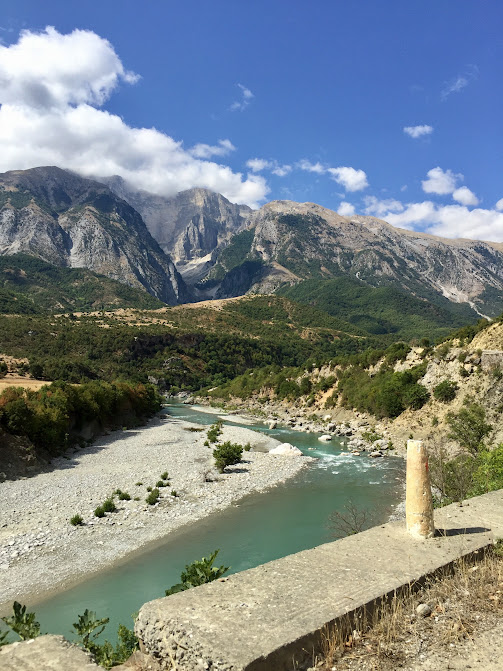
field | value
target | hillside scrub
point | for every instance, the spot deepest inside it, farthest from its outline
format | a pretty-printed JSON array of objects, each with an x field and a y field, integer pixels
[{"x": 52, "y": 417}]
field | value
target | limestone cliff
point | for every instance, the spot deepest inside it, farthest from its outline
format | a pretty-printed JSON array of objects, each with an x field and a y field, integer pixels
[
  {"x": 78, "y": 223},
  {"x": 191, "y": 226}
]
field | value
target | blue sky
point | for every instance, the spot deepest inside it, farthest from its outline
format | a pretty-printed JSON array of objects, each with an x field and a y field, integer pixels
[{"x": 259, "y": 100}]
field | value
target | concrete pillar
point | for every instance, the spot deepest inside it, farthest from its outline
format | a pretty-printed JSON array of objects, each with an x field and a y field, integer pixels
[{"x": 418, "y": 501}]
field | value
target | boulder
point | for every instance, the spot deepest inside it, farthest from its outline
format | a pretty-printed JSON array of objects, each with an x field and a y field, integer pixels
[
  {"x": 286, "y": 449},
  {"x": 325, "y": 438}
]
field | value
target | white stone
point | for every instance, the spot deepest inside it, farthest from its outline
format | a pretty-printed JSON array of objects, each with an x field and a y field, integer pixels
[
  {"x": 325, "y": 438},
  {"x": 285, "y": 448}
]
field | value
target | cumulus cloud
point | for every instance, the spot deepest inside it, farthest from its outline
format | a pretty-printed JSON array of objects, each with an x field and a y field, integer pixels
[
  {"x": 52, "y": 87},
  {"x": 459, "y": 82},
  {"x": 450, "y": 221},
  {"x": 440, "y": 182},
  {"x": 306, "y": 165},
  {"x": 346, "y": 209},
  {"x": 351, "y": 179},
  {"x": 499, "y": 205},
  {"x": 242, "y": 104},
  {"x": 260, "y": 164},
  {"x": 379, "y": 208},
  {"x": 223, "y": 148},
  {"x": 464, "y": 196},
  {"x": 418, "y": 131}
]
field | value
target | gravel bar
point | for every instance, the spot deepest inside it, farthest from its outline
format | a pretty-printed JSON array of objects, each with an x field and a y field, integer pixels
[{"x": 41, "y": 552}]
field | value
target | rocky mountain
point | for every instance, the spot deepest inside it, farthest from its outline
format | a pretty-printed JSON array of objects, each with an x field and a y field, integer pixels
[
  {"x": 289, "y": 242},
  {"x": 191, "y": 226},
  {"x": 74, "y": 222}
]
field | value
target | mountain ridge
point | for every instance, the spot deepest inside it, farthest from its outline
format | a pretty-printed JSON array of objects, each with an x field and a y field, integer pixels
[{"x": 71, "y": 221}]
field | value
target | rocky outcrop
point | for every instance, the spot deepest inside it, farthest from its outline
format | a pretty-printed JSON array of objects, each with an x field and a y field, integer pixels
[
  {"x": 75, "y": 222},
  {"x": 190, "y": 226}
]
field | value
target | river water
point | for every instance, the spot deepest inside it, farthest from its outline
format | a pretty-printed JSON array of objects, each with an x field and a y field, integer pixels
[{"x": 290, "y": 517}]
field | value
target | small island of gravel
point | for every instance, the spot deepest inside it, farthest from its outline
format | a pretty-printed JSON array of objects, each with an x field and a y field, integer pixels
[{"x": 36, "y": 535}]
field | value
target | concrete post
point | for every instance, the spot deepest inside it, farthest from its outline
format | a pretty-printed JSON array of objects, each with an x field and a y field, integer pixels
[{"x": 418, "y": 500}]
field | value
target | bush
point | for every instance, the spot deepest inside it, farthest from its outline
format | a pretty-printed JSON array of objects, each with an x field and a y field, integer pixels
[
  {"x": 22, "y": 623},
  {"x": 445, "y": 391},
  {"x": 109, "y": 506},
  {"x": 165, "y": 475},
  {"x": 214, "y": 431},
  {"x": 227, "y": 454},
  {"x": 153, "y": 497},
  {"x": 124, "y": 496},
  {"x": 198, "y": 573},
  {"x": 160, "y": 483},
  {"x": 468, "y": 427},
  {"x": 76, "y": 520},
  {"x": 174, "y": 493},
  {"x": 99, "y": 512}
]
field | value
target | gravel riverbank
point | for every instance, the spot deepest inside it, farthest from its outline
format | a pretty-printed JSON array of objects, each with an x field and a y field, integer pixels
[{"x": 41, "y": 552}]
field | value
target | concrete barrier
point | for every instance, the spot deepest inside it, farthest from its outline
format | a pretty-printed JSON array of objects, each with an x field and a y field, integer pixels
[{"x": 271, "y": 618}]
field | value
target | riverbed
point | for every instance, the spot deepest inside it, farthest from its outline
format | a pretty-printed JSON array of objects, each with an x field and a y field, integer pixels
[{"x": 248, "y": 528}]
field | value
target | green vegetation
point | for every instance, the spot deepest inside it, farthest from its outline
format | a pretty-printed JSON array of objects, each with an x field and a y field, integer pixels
[
  {"x": 52, "y": 417},
  {"x": 214, "y": 431},
  {"x": 88, "y": 628},
  {"x": 153, "y": 497},
  {"x": 198, "y": 573},
  {"x": 76, "y": 520},
  {"x": 165, "y": 475},
  {"x": 386, "y": 394},
  {"x": 382, "y": 310},
  {"x": 227, "y": 454},
  {"x": 22, "y": 623},
  {"x": 29, "y": 285},
  {"x": 445, "y": 391},
  {"x": 468, "y": 426}
]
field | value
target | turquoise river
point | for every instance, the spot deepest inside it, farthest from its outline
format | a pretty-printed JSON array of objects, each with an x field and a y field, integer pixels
[{"x": 291, "y": 517}]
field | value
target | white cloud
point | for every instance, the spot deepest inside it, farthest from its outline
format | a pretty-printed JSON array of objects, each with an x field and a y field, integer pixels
[
  {"x": 346, "y": 209},
  {"x": 223, "y": 148},
  {"x": 306, "y": 165},
  {"x": 459, "y": 82},
  {"x": 440, "y": 182},
  {"x": 499, "y": 205},
  {"x": 49, "y": 70},
  {"x": 379, "y": 208},
  {"x": 351, "y": 179},
  {"x": 464, "y": 196},
  {"x": 259, "y": 164},
  {"x": 51, "y": 86},
  {"x": 246, "y": 96},
  {"x": 450, "y": 221},
  {"x": 418, "y": 131}
]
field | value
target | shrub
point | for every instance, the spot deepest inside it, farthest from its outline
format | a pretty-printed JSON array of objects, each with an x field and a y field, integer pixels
[
  {"x": 214, "y": 431},
  {"x": 124, "y": 496},
  {"x": 139, "y": 484},
  {"x": 153, "y": 497},
  {"x": 198, "y": 573},
  {"x": 109, "y": 506},
  {"x": 227, "y": 454},
  {"x": 468, "y": 426},
  {"x": 247, "y": 447},
  {"x": 174, "y": 493},
  {"x": 445, "y": 391},
  {"x": 76, "y": 520},
  {"x": 22, "y": 623},
  {"x": 99, "y": 512},
  {"x": 165, "y": 475},
  {"x": 160, "y": 483},
  {"x": 149, "y": 489}
]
